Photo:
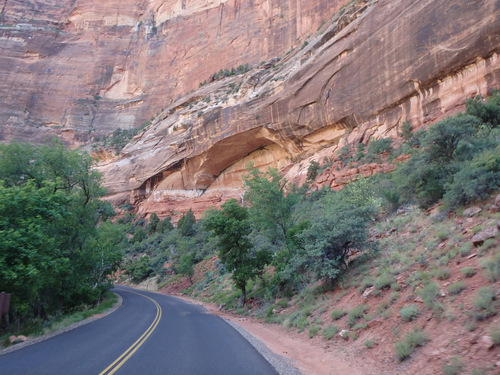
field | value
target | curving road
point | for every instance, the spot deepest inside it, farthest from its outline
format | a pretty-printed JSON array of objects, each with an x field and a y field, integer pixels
[{"x": 149, "y": 334}]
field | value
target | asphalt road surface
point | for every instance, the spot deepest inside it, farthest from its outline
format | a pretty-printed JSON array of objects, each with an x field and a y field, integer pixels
[{"x": 149, "y": 334}]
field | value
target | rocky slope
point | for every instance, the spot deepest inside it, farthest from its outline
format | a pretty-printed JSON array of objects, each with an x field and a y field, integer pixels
[
  {"x": 80, "y": 68},
  {"x": 371, "y": 67}
]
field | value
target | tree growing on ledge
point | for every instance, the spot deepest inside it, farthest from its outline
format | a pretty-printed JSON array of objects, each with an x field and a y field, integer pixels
[{"x": 231, "y": 226}]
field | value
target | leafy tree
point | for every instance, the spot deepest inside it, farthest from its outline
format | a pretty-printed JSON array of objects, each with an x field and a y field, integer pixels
[
  {"x": 152, "y": 226},
  {"x": 186, "y": 224},
  {"x": 50, "y": 212},
  {"x": 488, "y": 111},
  {"x": 270, "y": 206},
  {"x": 312, "y": 170},
  {"x": 338, "y": 227},
  {"x": 139, "y": 269},
  {"x": 186, "y": 266},
  {"x": 231, "y": 226},
  {"x": 165, "y": 225},
  {"x": 139, "y": 234}
]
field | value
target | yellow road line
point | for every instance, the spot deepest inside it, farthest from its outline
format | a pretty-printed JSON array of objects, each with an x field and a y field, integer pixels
[{"x": 112, "y": 368}]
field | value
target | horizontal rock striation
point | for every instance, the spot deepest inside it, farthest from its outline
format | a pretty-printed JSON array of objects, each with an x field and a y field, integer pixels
[{"x": 371, "y": 67}]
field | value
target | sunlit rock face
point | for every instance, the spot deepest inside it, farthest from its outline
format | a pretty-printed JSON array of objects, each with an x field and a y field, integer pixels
[
  {"x": 90, "y": 66},
  {"x": 81, "y": 68}
]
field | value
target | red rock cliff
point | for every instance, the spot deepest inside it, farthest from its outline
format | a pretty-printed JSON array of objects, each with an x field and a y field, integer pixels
[
  {"x": 365, "y": 72},
  {"x": 80, "y": 68}
]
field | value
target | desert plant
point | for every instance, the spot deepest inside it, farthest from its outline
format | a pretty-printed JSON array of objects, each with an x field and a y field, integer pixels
[
  {"x": 455, "y": 367},
  {"x": 456, "y": 288},
  {"x": 313, "y": 330},
  {"x": 491, "y": 267},
  {"x": 370, "y": 343},
  {"x": 408, "y": 313},
  {"x": 338, "y": 313},
  {"x": 468, "y": 271},
  {"x": 429, "y": 293},
  {"x": 484, "y": 303},
  {"x": 405, "y": 347},
  {"x": 355, "y": 314},
  {"x": 330, "y": 331},
  {"x": 383, "y": 281}
]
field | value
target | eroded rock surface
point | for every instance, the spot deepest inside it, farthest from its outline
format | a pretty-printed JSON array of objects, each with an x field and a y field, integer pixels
[
  {"x": 368, "y": 70},
  {"x": 81, "y": 68}
]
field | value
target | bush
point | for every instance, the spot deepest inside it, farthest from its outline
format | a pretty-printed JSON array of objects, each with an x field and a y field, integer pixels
[
  {"x": 456, "y": 288},
  {"x": 408, "y": 313},
  {"x": 491, "y": 267},
  {"x": 338, "y": 313},
  {"x": 453, "y": 368},
  {"x": 355, "y": 314},
  {"x": 313, "y": 330},
  {"x": 379, "y": 146},
  {"x": 468, "y": 271},
  {"x": 484, "y": 303},
  {"x": 330, "y": 331},
  {"x": 383, "y": 281},
  {"x": 312, "y": 170},
  {"x": 405, "y": 347},
  {"x": 370, "y": 343},
  {"x": 429, "y": 294}
]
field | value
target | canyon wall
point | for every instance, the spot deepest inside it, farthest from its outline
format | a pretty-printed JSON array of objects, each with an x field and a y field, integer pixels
[
  {"x": 323, "y": 75},
  {"x": 83, "y": 68},
  {"x": 371, "y": 67}
]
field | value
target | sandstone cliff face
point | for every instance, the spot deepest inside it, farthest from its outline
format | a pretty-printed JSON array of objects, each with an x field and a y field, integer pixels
[
  {"x": 80, "y": 68},
  {"x": 360, "y": 77}
]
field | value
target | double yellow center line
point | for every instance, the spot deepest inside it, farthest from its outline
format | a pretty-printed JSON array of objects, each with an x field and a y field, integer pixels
[{"x": 112, "y": 368}]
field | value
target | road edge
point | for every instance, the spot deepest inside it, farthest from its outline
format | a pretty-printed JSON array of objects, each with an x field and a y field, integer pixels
[
  {"x": 83, "y": 322},
  {"x": 281, "y": 364}
]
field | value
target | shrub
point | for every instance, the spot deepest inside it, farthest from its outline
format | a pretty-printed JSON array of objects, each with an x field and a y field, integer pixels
[
  {"x": 393, "y": 297},
  {"x": 378, "y": 146},
  {"x": 442, "y": 273},
  {"x": 313, "y": 330},
  {"x": 453, "y": 368},
  {"x": 355, "y": 314},
  {"x": 383, "y": 281},
  {"x": 456, "y": 288},
  {"x": 405, "y": 347},
  {"x": 484, "y": 303},
  {"x": 429, "y": 293},
  {"x": 468, "y": 271},
  {"x": 312, "y": 170},
  {"x": 370, "y": 343},
  {"x": 408, "y": 313},
  {"x": 330, "y": 331},
  {"x": 495, "y": 335},
  {"x": 338, "y": 313},
  {"x": 491, "y": 267}
]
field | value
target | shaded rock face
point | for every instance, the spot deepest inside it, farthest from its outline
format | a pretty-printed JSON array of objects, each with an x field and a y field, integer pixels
[
  {"x": 362, "y": 75},
  {"x": 81, "y": 68}
]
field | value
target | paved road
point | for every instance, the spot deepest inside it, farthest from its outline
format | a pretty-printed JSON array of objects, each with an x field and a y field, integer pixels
[{"x": 149, "y": 334}]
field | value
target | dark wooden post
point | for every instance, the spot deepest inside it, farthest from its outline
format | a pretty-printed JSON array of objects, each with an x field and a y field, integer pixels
[{"x": 4, "y": 304}]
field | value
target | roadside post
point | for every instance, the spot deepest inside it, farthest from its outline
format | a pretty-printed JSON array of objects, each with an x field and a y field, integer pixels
[{"x": 4, "y": 304}]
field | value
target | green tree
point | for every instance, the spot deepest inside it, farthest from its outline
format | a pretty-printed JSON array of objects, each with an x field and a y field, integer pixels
[
  {"x": 186, "y": 266},
  {"x": 50, "y": 212},
  {"x": 339, "y": 225},
  {"x": 165, "y": 225},
  {"x": 271, "y": 207},
  {"x": 152, "y": 226},
  {"x": 186, "y": 224},
  {"x": 232, "y": 227}
]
